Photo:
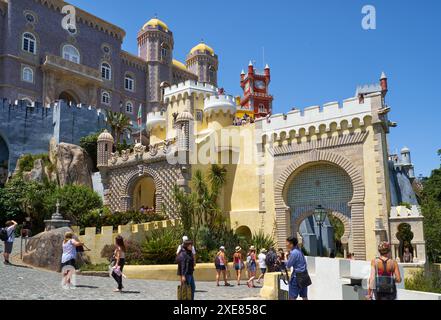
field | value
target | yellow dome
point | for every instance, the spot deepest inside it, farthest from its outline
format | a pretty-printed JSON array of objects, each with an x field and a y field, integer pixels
[
  {"x": 202, "y": 47},
  {"x": 154, "y": 23},
  {"x": 179, "y": 65}
]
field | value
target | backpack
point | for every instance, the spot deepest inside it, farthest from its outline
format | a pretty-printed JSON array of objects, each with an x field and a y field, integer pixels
[
  {"x": 217, "y": 261},
  {"x": 385, "y": 285},
  {"x": 4, "y": 236},
  {"x": 271, "y": 259}
]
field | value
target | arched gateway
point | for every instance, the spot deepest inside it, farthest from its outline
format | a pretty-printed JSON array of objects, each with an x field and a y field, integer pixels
[{"x": 328, "y": 179}]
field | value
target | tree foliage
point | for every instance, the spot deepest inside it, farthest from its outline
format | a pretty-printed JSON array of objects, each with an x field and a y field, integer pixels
[
  {"x": 90, "y": 144},
  {"x": 431, "y": 207}
]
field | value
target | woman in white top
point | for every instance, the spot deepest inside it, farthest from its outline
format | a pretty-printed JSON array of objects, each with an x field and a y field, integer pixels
[
  {"x": 10, "y": 230},
  {"x": 69, "y": 256},
  {"x": 262, "y": 264}
]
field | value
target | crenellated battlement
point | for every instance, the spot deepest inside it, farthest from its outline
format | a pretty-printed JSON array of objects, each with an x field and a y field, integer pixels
[
  {"x": 313, "y": 118},
  {"x": 134, "y": 232},
  {"x": 220, "y": 103},
  {"x": 188, "y": 87},
  {"x": 156, "y": 119}
]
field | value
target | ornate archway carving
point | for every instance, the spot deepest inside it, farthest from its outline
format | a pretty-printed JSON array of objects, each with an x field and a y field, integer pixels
[
  {"x": 283, "y": 220},
  {"x": 131, "y": 181}
]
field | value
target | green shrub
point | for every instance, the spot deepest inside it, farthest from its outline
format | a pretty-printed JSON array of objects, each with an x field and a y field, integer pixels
[
  {"x": 160, "y": 247},
  {"x": 262, "y": 240},
  {"x": 424, "y": 281},
  {"x": 134, "y": 255},
  {"x": 26, "y": 162},
  {"x": 90, "y": 144}
]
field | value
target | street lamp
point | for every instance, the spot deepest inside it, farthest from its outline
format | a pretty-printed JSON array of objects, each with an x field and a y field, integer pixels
[{"x": 320, "y": 216}]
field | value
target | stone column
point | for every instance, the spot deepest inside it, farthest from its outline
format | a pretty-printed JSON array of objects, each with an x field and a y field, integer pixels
[
  {"x": 283, "y": 225},
  {"x": 358, "y": 230}
]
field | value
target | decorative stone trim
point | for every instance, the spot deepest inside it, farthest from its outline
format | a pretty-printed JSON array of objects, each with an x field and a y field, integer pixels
[{"x": 357, "y": 202}]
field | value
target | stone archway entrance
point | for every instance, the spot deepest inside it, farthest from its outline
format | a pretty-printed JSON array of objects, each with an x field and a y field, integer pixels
[
  {"x": 355, "y": 206},
  {"x": 68, "y": 97},
  {"x": 319, "y": 183},
  {"x": 4, "y": 161},
  {"x": 144, "y": 194}
]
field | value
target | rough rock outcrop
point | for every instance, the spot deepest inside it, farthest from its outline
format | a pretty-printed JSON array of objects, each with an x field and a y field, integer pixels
[
  {"x": 45, "y": 249},
  {"x": 73, "y": 164},
  {"x": 37, "y": 173}
]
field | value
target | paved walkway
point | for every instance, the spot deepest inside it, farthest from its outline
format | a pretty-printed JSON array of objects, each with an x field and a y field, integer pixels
[{"x": 20, "y": 282}]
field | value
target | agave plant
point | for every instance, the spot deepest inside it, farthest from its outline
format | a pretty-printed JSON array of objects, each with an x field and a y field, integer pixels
[{"x": 261, "y": 240}]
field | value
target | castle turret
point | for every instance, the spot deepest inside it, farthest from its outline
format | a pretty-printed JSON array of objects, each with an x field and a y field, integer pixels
[
  {"x": 406, "y": 162},
  {"x": 155, "y": 45},
  {"x": 184, "y": 128},
  {"x": 219, "y": 111},
  {"x": 383, "y": 84},
  {"x": 105, "y": 144},
  {"x": 203, "y": 62},
  {"x": 156, "y": 124}
]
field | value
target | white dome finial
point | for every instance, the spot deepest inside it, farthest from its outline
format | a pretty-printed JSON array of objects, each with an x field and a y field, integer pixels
[
  {"x": 383, "y": 76},
  {"x": 251, "y": 63}
]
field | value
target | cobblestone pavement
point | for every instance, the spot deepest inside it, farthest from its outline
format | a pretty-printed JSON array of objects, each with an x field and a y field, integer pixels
[{"x": 20, "y": 282}]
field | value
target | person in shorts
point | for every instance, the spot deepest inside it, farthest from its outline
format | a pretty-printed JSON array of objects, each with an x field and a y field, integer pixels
[
  {"x": 69, "y": 256},
  {"x": 9, "y": 243},
  {"x": 238, "y": 263},
  {"x": 262, "y": 264},
  {"x": 221, "y": 266}
]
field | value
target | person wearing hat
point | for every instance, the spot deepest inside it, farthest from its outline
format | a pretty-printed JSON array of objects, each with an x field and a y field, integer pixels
[
  {"x": 185, "y": 238},
  {"x": 238, "y": 263},
  {"x": 251, "y": 266},
  {"x": 262, "y": 264},
  {"x": 385, "y": 273},
  {"x": 221, "y": 264}
]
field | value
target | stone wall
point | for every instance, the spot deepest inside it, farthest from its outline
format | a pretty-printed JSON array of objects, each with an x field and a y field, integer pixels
[{"x": 134, "y": 232}]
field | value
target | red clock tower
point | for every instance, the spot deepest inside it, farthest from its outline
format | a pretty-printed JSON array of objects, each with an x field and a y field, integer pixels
[{"x": 255, "y": 91}]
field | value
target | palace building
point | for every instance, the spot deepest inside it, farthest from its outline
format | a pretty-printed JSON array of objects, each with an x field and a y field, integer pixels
[{"x": 281, "y": 168}]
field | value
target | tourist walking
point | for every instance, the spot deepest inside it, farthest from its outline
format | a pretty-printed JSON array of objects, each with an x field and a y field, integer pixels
[
  {"x": 262, "y": 264},
  {"x": 68, "y": 258},
  {"x": 221, "y": 264},
  {"x": 251, "y": 266},
  {"x": 385, "y": 274},
  {"x": 186, "y": 264},
  {"x": 238, "y": 263},
  {"x": 300, "y": 280},
  {"x": 119, "y": 258},
  {"x": 8, "y": 237}
]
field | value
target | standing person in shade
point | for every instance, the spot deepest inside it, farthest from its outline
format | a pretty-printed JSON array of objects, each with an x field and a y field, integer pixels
[
  {"x": 238, "y": 263},
  {"x": 271, "y": 260},
  {"x": 193, "y": 250},
  {"x": 407, "y": 255},
  {"x": 296, "y": 261},
  {"x": 281, "y": 261},
  {"x": 385, "y": 274},
  {"x": 221, "y": 264},
  {"x": 69, "y": 257},
  {"x": 251, "y": 266},
  {"x": 262, "y": 264},
  {"x": 119, "y": 257},
  {"x": 9, "y": 233},
  {"x": 185, "y": 262}
]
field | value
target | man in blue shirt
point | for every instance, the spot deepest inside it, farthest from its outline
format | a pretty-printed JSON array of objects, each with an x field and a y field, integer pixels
[{"x": 297, "y": 261}]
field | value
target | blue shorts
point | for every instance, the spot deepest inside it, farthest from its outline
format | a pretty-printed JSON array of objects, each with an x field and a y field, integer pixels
[
  {"x": 262, "y": 270},
  {"x": 295, "y": 291},
  {"x": 221, "y": 268}
]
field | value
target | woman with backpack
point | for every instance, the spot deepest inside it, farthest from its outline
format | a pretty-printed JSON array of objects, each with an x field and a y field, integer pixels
[
  {"x": 120, "y": 259},
  {"x": 238, "y": 264},
  {"x": 221, "y": 265},
  {"x": 8, "y": 236},
  {"x": 251, "y": 266},
  {"x": 385, "y": 274}
]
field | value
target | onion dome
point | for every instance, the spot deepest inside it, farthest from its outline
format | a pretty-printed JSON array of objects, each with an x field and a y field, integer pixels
[
  {"x": 105, "y": 136},
  {"x": 203, "y": 48},
  {"x": 155, "y": 22},
  {"x": 185, "y": 116}
]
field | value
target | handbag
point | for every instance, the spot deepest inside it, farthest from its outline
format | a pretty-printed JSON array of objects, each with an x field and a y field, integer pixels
[
  {"x": 303, "y": 279},
  {"x": 184, "y": 292}
]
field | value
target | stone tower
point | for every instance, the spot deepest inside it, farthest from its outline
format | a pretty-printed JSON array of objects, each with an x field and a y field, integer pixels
[
  {"x": 105, "y": 145},
  {"x": 203, "y": 62},
  {"x": 155, "y": 45}
]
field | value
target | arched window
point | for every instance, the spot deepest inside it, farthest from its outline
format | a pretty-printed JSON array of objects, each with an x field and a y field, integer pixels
[
  {"x": 211, "y": 74},
  {"x": 105, "y": 98},
  {"x": 28, "y": 75},
  {"x": 129, "y": 107},
  {"x": 29, "y": 43},
  {"x": 164, "y": 52},
  {"x": 71, "y": 53},
  {"x": 129, "y": 83},
  {"x": 262, "y": 108},
  {"x": 106, "y": 71}
]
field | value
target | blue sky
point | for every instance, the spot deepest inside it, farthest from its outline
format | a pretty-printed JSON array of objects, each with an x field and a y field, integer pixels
[{"x": 317, "y": 51}]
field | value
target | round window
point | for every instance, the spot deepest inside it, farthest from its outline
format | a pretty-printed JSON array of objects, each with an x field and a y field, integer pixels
[
  {"x": 106, "y": 49},
  {"x": 30, "y": 18}
]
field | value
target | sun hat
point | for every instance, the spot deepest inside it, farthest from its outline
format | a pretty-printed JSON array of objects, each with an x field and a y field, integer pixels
[
  {"x": 238, "y": 249},
  {"x": 184, "y": 238},
  {"x": 253, "y": 248},
  {"x": 263, "y": 250},
  {"x": 222, "y": 248}
]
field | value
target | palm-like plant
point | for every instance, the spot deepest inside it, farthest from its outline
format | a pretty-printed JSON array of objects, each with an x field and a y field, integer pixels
[{"x": 119, "y": 124}]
